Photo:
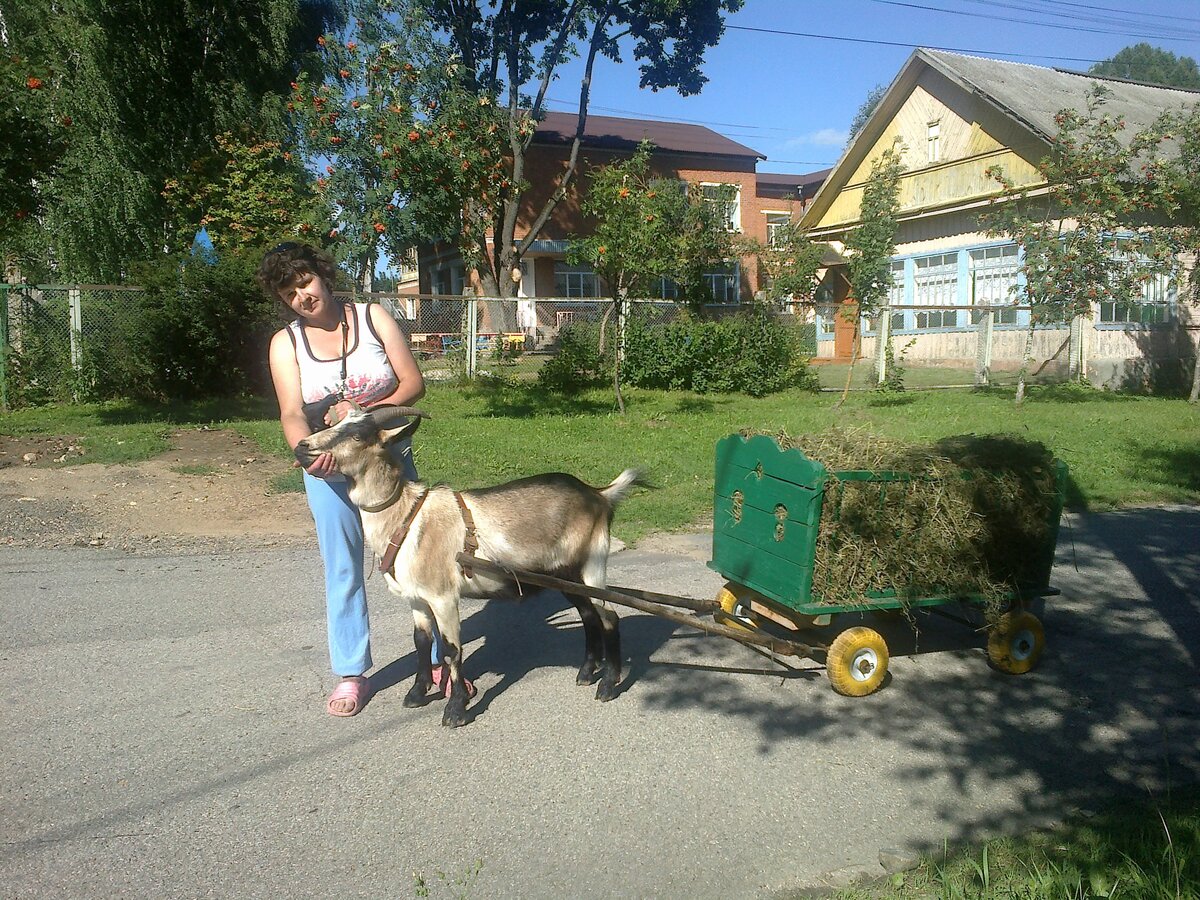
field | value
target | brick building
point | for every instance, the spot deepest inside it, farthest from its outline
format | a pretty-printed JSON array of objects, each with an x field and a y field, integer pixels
[{"x": 689, "y": 153}]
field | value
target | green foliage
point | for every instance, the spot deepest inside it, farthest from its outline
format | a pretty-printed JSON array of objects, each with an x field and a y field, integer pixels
[
  {"x": 145, "y": 88},
  {"x": 1137, "y": 848},
  {"x": 579, "y": 362},
  {"x": 1107, "y": 255},
  {"x": 1142, "y": 62},
  {"x": 32, "y": 145},
  {"x": 248, "y": 194},
  {"x": 638, "y": 220},
  {"x": 864, "y": 111},
  {"x": 751, "y": 354},
  {"x": 404, "y": 148},
  {"x": 788, "y": 263},
  {"x": 509, "y": 54},
  {"x": 870, "y": 246},
  {"x": 196, "y": 331},
  {"x": 894, "y": 367}
]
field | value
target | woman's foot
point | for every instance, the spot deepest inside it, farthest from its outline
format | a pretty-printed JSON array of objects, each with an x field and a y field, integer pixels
[
  {"x": 441, "y": 682},
  {"x": 349, "y": 696}
]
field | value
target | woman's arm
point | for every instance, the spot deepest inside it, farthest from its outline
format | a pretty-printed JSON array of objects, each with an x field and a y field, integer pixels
[
  {"x": 410, "y": 385},
  {"x": 285, "y": 374}
]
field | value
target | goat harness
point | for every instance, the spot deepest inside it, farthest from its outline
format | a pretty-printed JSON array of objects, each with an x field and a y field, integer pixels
[{"x": 470, "y": 541}]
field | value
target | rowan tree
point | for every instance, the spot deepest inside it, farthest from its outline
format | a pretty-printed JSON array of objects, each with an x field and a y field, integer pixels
[
  {"x": 1085, "y": 239},
  {"x": 646, "y": 230},
  {"x": 871, "y": 245},
  {"x": 246, "y": 193}
]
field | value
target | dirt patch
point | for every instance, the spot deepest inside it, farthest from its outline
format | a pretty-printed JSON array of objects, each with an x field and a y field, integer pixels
[{"x": 211, "y": 489}]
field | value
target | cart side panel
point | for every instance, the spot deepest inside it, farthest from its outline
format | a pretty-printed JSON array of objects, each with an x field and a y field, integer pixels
[
  {"x": 1054, "y": 517},
  {"x": 766, "y": 506}
]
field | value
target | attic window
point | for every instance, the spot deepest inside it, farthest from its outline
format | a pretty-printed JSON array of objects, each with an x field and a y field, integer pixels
[{"x": 933, "y": 135}]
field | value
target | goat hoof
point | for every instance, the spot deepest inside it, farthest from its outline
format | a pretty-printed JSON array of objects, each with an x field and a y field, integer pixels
[
  {"x": 418, "y": 695},
  {"x": 605, "y": 691},
  {"x": 454, "y": 718},
  {"x": 586, "y": 676}
]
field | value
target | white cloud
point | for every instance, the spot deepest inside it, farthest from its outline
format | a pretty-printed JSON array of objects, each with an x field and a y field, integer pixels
[
  {"x": 824, "y": 137},
  {"x": 829, "y": 137}
]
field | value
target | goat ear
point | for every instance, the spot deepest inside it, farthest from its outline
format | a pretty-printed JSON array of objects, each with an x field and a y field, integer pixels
[{"x": 391, "y": 435}]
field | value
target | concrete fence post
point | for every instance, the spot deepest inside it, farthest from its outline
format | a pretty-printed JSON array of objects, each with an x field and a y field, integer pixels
[
  {"x": 471, "y": 336},
  {"x": 883, "y": 333}
]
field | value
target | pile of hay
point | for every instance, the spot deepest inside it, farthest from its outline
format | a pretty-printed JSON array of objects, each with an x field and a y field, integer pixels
[{"x": 973, "y": 520}]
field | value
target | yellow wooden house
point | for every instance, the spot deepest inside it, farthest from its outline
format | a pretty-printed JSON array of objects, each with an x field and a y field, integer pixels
[{"x": 953, "y": 117}]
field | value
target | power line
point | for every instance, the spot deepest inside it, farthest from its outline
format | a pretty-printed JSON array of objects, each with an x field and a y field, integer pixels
[
  {"x": 994, "y": 18},
  {"x": 1116, "y": 10},
  {"x": 909, "y": 45}
]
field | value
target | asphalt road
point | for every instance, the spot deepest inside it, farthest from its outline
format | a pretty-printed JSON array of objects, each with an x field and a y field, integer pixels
[{"x": 164, "y": 736}]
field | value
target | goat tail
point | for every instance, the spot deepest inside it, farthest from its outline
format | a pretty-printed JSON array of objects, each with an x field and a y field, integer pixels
[{"x": 622, "y": 485}]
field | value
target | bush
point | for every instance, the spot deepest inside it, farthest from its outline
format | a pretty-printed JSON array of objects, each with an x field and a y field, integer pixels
[
  {"x": 198, "y": 331},
  {"x": 752, "y": 353},
  {"x": 579, "y": 363}
]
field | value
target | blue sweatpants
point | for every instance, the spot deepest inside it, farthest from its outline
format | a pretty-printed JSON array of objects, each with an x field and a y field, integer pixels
[{"x": 340, "y": 537}]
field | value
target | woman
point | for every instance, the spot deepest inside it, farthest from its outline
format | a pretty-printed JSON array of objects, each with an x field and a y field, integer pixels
[{"x": 356, "y": 352}]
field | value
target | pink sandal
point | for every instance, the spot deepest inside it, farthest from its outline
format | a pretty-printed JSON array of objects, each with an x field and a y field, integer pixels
[
  {"x": 355, "y": 689},
  {"x": 439, "y": 673}
]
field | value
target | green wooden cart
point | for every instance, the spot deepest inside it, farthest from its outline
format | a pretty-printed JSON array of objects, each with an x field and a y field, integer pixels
[{"x": 767, "y": 506}]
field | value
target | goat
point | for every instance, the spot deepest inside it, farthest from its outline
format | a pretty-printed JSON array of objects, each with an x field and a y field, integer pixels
[{"x": 552, "y": 524}]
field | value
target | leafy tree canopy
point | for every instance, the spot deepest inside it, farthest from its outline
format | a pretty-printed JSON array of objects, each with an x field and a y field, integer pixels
[
  {"x": 1142, "y": 62},
  {"x": 865, "y": 109},
  {"x": 146, "y": 88},
  {"x": 510, "y": 53}
]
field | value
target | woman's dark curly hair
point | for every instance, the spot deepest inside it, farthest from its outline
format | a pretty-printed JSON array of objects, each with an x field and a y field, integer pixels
[{"x": 293, "y": 262}]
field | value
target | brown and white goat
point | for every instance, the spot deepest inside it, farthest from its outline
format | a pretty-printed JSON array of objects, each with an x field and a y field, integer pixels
[{"x": 553, "y": 524}]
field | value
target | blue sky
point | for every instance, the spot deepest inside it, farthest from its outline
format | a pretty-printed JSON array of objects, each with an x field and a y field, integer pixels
[{"x": 792, "y": 98}]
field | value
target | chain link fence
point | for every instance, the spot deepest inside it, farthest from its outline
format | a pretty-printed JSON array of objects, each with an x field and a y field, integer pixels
[{"x": 60, "y": 341}]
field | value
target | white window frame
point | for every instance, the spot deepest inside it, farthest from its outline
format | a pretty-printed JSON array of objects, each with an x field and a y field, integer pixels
[
  {"x": 731, "y": 210},
  {"x": 577, "y": 279},
  {"x": 1154, "y": 307},
  {"x": 933, "y": 141},
  {"x": 935, "y": 283},
  {"x": 996, "y": 271},
  {"x": 776, "y": 221}
]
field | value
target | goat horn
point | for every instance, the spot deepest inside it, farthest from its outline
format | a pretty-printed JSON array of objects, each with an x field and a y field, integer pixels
[{"x": 385, "y": 416}]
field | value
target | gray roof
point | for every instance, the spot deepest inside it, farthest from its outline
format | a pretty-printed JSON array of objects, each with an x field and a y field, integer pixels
[
  {"x": 1034, "y": 94},
  {"x": 612, "y": 133},
  {"x": 801, "y": 187}
]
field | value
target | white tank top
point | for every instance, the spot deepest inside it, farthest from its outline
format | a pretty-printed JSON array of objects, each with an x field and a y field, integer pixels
[{"x": 369, "y": 374}]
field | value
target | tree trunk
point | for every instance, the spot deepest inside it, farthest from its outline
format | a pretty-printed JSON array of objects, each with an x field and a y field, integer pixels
[
  {"x": 1026, "y": 358},
  {"x": 854, "y": 347},
  {"x": 617, "y": 354},
  {"x": 1195, "y": 394}
]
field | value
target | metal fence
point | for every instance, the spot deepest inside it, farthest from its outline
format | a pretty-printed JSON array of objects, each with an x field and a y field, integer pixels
[{"x": 61, "y": 340}]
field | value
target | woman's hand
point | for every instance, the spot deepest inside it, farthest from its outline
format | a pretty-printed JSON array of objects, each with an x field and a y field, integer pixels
[
  {"x": 339, "y": 411},
  {"x": 322, "y": 467}
]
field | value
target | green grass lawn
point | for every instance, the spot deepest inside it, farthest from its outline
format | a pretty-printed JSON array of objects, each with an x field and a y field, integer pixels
[
  {"x": 1137, "y": 850},
  {"x": 1121, "y": 450}
]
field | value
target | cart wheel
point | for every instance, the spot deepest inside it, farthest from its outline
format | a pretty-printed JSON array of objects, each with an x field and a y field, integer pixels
[
  {"x": 729, "y": 601},
  {"x": 857, "y": 661},
  {"x": 1016, "y": 642}
]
